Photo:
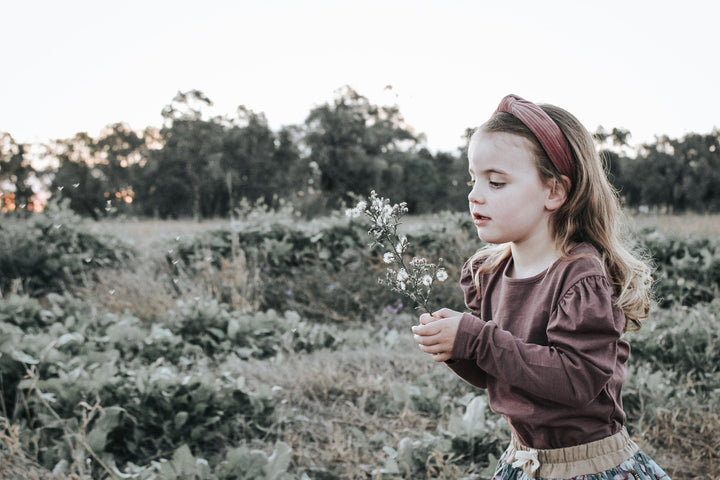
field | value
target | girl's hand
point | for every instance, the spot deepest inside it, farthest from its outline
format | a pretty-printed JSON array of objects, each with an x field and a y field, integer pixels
[{"x": 436, "y": 334}]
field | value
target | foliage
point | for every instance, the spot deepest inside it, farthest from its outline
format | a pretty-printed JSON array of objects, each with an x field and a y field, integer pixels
[
  {"x": 356, "y": 145},
  {"x": 687, "y": 269},
  {"x": 67, "y": 355},
  {"x": 53, "y": 251},
  {"x": 17, "y": 175},
  {"x": 682, "y": 338},
  {"x": 96, "y": 175},
  {"x": 673, "y": 175},
  {"x": 316, "y": 268},
  {"x": 201, "y": 166}
]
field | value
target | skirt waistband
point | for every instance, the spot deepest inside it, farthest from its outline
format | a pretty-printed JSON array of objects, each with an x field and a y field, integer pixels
[{"x": 584, "y": 459}]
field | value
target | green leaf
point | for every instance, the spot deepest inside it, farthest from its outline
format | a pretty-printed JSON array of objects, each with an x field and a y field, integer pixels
[
  {"x": 278, "y": 462},
  {"x": 242, "y": 463},
  {"x": 203, "y": 470},
  {"x": 183, "y": 460},
  {"x": 180, "y": 419},
  {"x": 107, "y": 421},
  {"x": 23, "y": 357}
]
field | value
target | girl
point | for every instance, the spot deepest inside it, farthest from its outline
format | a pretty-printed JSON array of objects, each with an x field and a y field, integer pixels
[{"x": 550, "y": 298}]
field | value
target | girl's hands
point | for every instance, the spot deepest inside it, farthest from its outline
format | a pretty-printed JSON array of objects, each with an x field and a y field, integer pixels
[{"x": 436, "y": 334}]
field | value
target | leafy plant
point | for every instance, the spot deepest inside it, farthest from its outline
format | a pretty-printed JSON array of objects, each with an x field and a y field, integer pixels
[{"x": 53, "y": 251}]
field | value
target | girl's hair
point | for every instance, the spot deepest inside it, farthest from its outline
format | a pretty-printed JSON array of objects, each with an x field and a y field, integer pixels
[{"x": 591, "y": 213}]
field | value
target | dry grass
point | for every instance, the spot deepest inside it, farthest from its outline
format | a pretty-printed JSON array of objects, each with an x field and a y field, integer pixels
[
  {"x": 329, "y": 404},
  {"x": 14, "y": 463},
  {"x": 147, "y": 233},
  {"x": 688, "y": 443},
  {"x": 687, "y": 224},
  {"x": 142, "y": 292}
]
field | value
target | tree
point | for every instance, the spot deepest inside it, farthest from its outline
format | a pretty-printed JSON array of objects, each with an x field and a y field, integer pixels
[
  {"x": 78, "y": 176},
  {"x": 611, "y": 147},
  {"x": 352, "y": 141},
  {"x": 16, "y": 173},
  {"x": 175, "y": 173},
  {"x": 116, "y": 151},
  {"x": 249, "y": 158}
]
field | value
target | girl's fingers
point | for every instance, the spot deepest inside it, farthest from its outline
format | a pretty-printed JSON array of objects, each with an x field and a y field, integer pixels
[
  {"x": 445, "y": 312},
  {"x": 441, "y": 357},
  {"x": 432, "y": 349},
  {"x": 424, "y": 340},
  {"x": 428, "y": 329},
  {"x": 425, "y": 318}
]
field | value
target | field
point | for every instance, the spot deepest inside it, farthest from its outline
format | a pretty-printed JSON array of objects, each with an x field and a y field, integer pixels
[{"x": 264, "y": 349}]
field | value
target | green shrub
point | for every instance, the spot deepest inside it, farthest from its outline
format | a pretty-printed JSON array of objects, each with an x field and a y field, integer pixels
[
  {"x": 687, "y": 269},
  {"x": 53, "y": 251},
  {"x": 164, "y": 408},
  {"x": 682, "y": 339},
  {"x": 325, "y": 270},
  {"x": 214, "y": 328}
]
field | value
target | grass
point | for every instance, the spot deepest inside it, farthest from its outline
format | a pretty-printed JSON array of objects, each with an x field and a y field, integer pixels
[
  {"x": 148, "y": 233},
  {"x": 334, "y": 420},
  {"x": 688, "y": 224}
]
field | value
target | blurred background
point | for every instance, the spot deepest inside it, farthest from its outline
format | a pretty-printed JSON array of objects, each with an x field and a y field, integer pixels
[{"x": 182, "y": 296}]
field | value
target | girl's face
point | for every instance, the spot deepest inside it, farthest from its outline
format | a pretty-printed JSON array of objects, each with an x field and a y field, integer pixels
[{"x": 509, "y": 201}]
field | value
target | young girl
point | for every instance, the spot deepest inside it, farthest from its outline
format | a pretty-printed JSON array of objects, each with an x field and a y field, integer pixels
[{"x": 549, "y": 299}]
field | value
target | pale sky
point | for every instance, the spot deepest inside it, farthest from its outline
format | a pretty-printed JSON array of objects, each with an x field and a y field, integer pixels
[{"x": 647, "y": 66}]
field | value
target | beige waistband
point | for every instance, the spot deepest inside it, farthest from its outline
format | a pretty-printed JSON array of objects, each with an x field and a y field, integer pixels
[{"x": 585, "y": 459}]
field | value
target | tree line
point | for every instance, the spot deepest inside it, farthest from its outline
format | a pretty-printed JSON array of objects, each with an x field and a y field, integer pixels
[{"x": 203, "y": 167}]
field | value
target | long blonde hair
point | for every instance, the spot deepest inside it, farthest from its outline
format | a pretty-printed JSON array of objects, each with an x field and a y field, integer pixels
[{"x": 591, "y": 213}]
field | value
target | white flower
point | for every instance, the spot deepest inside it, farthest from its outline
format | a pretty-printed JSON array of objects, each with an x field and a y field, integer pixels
[
  {"x": 441, "y": 275},
  {"x": 402, "y": 245},
  {"x": 402, "y": 275},
  {"x": 402, "y": 285},
  {"x": 377, "y": 204},
  {"x": 357, "y": 211},
  {"x": 418, "y": 262},
  {"x": 427, "y": 280},
  {"x": 386, "y": 213},
  {"x": 389, "y": 257}
]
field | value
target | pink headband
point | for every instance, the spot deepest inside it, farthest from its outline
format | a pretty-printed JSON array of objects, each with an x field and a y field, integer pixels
[{"x": 545, "y": 129}]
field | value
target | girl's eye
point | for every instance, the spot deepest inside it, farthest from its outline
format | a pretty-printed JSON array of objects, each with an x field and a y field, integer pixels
[{"x": 496, "y": 184}]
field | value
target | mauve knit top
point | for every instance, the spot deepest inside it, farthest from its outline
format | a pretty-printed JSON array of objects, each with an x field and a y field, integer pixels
[{"x": 547, "y": 348}]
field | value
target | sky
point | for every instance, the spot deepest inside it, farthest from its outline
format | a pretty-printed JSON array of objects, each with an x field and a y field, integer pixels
[{"x": 76, "y": 66}]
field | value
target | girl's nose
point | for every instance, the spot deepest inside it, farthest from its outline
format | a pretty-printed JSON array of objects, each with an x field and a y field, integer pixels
[{"x": 475, "y": 196}]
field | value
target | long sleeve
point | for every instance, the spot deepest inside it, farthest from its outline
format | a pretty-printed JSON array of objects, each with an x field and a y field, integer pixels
[
  {"x": 467, "y": 369},
  {"x": 577, "y": 362}
]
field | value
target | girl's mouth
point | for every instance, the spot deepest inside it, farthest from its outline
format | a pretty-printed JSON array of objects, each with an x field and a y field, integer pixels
[{"x": 480, "y": 219}]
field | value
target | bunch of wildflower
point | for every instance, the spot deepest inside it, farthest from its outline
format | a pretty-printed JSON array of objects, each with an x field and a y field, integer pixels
[{"x": 414, "y": 278}]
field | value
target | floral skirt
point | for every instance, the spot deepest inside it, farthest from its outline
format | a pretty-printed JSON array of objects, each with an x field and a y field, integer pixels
[{"x": 613, "y": 458}]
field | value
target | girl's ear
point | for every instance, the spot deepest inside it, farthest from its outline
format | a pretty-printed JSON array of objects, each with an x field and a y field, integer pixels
[{"x": 558, "y": 193}]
